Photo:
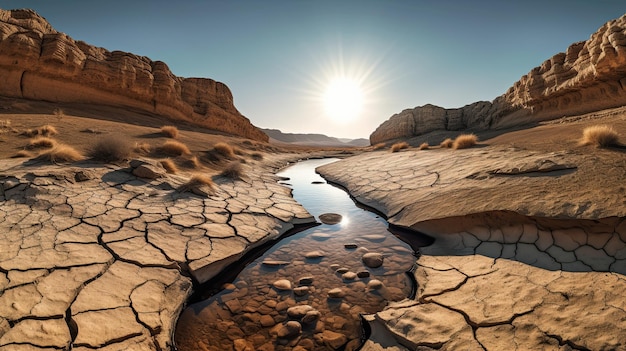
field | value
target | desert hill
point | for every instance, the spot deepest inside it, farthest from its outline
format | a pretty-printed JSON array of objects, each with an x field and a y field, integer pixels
[
  {"x": 310, "y": 139},
  {"x": 590, "y": 76},
  {"x": 39, "y": 63}
]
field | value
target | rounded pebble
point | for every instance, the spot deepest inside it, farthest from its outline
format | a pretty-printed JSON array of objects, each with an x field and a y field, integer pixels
[
  {"x": 282, "y": 284},
  {"x": 373, "y": 259},
  {"x": 349, "y": 276},
  {"x": 336, "y": 293},
  {"x": 375, "y": 284},
  {"x": 330, "y": 218},
  {"x": 350, "y": 246}
]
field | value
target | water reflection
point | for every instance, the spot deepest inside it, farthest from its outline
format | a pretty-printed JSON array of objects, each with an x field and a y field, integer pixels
[{"x": 308, "y": 290}]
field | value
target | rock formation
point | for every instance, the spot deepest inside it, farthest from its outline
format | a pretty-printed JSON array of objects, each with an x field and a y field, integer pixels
[
  {"x": 39, "y": 63},
  {"x": 588, "y": 77}
]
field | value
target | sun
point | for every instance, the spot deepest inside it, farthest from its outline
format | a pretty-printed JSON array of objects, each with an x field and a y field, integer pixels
[{"x": 343, "y": 99}]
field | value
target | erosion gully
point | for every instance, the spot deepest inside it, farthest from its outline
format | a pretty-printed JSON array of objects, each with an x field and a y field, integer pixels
[{"x": 308, "y": 291}]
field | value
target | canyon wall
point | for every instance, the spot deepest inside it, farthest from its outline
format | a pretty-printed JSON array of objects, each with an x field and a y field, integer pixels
[
  {"x": 39, "y": 63},
  {"x": 589, "y": 76}
]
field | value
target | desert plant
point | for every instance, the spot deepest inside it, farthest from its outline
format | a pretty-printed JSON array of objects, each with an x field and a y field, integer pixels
[
  {"x": 196, "y": 182},
  {"x": 174, "y": 148},
  {"x": 379, "y": 146},
  {"x": 600, "y": 135},
  {"x": 192, "y": 162},
  {"x": 142, "y": 148},
  {"x": 170, "y": 131},
  {"x": 22, "y": 154},
  {"x": 399, "y": 146},
  {"x": 424, "y": 146},
  {"x": 62, "y": 154},
  {"x": 447, "y": 143},
  {"x": 41, "y": 143},
  {"x": 224, "y": 149},
  {"x": 46, "y": 130},
  {"x": 233, "y": 170},
  {"x": 111, "y": 148},
  {"x": 465, "y": 141},
  {"x": 169, "y": 166}
]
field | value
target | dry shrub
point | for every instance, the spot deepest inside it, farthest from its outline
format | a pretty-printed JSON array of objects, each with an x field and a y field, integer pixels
[
  {"x": 46, "y": 130},
  {"x": 41, "y": 143},
  {"x": 142, "y": 148},
  {"x": 169, "y": 166},
  {"x": 111, "y": 148},
  {"x": 256, "y": 156},
  {"x": 23, "y": 154},
  {"x": 424, "y": 146},
  {"x": 600, "y": 136},
  {"x": 465, "y": 141},
  {"x": 447, "y": 143},
  {"x": 62, "y": 154},
  {"x": 175, "y": 148},
  {"x": 196, "y": 182},
  {"x": 399, "y": 146},
  {"x": 233, "y": 170},
  {"x": 170, "y": 131},
  {"x": 379, "y": 146},
  {"x": 192, "y": 162},
  {"x": 224, "y": 149}
]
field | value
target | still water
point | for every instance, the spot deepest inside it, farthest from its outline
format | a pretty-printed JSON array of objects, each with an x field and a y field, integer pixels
[{"x": 307, "y": 292}]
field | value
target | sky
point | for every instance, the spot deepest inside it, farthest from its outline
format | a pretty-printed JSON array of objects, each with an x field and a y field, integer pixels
[{"x": 280, "y": 57}]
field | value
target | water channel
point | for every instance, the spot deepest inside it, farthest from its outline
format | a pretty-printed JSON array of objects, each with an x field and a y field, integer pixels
[{"x": 307, "y": 292}]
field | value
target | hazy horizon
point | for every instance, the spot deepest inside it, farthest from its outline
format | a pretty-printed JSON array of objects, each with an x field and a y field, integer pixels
[{"x": 278, "y": 57}]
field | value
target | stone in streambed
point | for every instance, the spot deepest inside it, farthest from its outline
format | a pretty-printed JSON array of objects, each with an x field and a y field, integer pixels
[
  {"x": 349, "y": 276},
  {"x": 336, "y": 293},
  {"x": 330, "y": 218},
  {"x": 375, "y": 284},
  {"x": 274, "y": 263},
  {"x": 373, "y": 259},
  {"x": 314, "y": 254},
  {"x": 363, "y": 274},
  {"x": 305, "y": 281},
  {"x": 289, "y": 330},
  {"x": 350, "y": 246},
  {"x": 299, "y": 311},
  {"x": 282, "y": 285},
  {"x": 301, "y": 290}
]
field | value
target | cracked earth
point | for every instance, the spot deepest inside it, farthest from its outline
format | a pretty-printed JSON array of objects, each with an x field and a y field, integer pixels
[
  {"x": 94, "y": 257},
  {"x": 529, "y": 252}
]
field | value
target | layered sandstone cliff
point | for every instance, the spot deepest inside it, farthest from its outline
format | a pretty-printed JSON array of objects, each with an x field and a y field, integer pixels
[
  {"x": 589, "y": 76},
  {"x": 39, "y": 63}
]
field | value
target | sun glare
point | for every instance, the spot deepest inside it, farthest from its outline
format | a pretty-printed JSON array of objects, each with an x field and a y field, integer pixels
[{"x": 343, "y": 99}]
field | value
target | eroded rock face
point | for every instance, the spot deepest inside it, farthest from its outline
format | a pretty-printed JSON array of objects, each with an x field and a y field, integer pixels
[
  {"x": 39, "y": 63},
  {"x": 589, "y": 76}
]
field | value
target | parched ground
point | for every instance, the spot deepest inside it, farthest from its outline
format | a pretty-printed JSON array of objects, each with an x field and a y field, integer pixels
[{"x": 530, "y": 249}]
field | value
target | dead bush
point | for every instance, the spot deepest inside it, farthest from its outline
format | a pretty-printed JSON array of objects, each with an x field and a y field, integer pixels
[
  {"x": 424, "y": 146},
  {"x": 399, "y": 146},
  {"x": 192, "y": 162},
  {"x": 379, "y": 146},
  {"x": 170, "y": 131},
  {"x": 62, "y": 154},
  {"x": 196, "y": 182},
  {"x": 464, "y": 141},
  {"x": 224, "y": 149},
  {"x": 600, "y": 136},
  {"x": 41, "y": 143},
  {"x": 142, "y": 148},
  {"x": 447, "y": 143},
  {"x": 233, "y": 170},
  {"x": 169, "y": 166},
  {"x": 111, "y": 148},
  {"x": 22, "y": 154},
  {"x": 175, "y": 148}
]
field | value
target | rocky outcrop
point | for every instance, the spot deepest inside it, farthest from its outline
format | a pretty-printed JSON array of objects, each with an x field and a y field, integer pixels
[
  {"x": 39, "y": 63},
  {"x": 588, "y": 77}
]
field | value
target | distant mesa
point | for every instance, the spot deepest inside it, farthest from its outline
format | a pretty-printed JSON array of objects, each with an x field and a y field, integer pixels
[
  {"x": 313, "y": 139},
  {"x": 590, "y": 76},
  {"x": 39, "y": 63}
]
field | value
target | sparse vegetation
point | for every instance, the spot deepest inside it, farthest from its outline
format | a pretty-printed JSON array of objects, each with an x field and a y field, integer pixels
[
  {"x": 46, "y": 130},
  {"x": 224, "y": 149},
  {"x": 23, "y": 154},
  {"x": 379, "y": 146},
  {"x": 447, "y": 143},
  {"x": 233, "y": 170},
  {"x": 169, "y": 166},
  {"x": 62, "y": 154},
  {"x": 41, "y": 143},
  {"x": 111, "y": 148},
  {"x": 175, "y": 148},
  {"x": 600, "y": 136},
  {"x": 192, "y": 162},
  {"x": 170, "y": 131},
  {"x": 196, "y": 182},
  {"x": 399, "y": 146},
  {"x": 424, "y": 146},
  {"x": 142, "y": 148},
  {"x": 465, "y": 141}
]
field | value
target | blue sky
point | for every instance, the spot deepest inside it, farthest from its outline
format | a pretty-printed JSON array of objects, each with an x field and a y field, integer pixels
[{"x": 277, "y": 57}]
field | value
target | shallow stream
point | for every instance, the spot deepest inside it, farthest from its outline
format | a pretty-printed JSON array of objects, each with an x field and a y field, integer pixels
[{"x": 320, "y": 269}]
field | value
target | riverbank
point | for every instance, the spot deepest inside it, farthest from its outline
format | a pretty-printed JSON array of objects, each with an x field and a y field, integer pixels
[{"x": 530, "y": 249}]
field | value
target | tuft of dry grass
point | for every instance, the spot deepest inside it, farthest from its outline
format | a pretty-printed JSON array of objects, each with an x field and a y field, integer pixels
[
  {"x": 447, "y": 143},
  {"x": 169, "y": 166},
  {"x": 23, "y": 154},
  {"x": 600, "y": 136},
  {"x": 192, "y": 162},
  {"x": 424, "y": 146},
  {"x": 224, "y": 149},
  {"x": 464, "y": 141},
  {"x": 46, "y": 130},
  {"x": 233, "y": 170},
  {"x": 399, "y": 146},
  {"x": 111, "y": 148},
  {"x": 142, "y": 148},
  {"x": 62, "y": 154},
  {"x": 170, "y": 131},
  {"x": 41, "y": 143},
  {"x": 175, "y": 148},
  {"x": 196, "y": 182},
  {"x": 379, "y": 146}
]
